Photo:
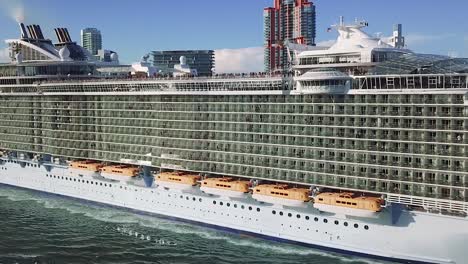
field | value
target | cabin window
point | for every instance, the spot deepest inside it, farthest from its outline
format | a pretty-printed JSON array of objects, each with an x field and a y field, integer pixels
[
  {"x": 205, "y": 183},
  {"x": 356, "y": 225},
  {"x": 366, "y": 227},
  {"x": 235, "y": 205},
  {"x": 273, "y": 212},
  {"x": 220, "y": 203},
  {"x": 214, "y": 202},
  {"x": 320, "y": 199},
  {"x": 200, "y": 199},
  {"x": 289, "y": 214},
  {"x": 316, "y": 219},
  {"x": 281, "y": 213},
  {"x": 257, "y": 190},
  {"x": 307, "y": 217},
  {"x": 258, "y": 209},
  {"x": 242, "y": 206},
  {"x": 298, "y": 216},
  {"x": 336, "y": 222},
  {"x": 345, "y": 223},
  {"x": 250, "y": 208},
  {"x": 325, "y": 221},
  {"x": 228, "y": 204}
]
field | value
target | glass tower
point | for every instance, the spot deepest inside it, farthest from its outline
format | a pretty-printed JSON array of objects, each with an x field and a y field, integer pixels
[
  {"x": 91, "y": 40},
  {"x": 288, "y": 20}
]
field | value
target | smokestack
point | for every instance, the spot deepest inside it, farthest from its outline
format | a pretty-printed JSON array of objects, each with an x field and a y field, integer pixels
[
  {"x": 67, "y": 35},
  {"x": 39, "y": 32},
  {"x": 57, "y": 33},
  {"x": 32, "y": 33},
  {"x": 62, "y": 34},
  {"x": 24, "y": 33}
]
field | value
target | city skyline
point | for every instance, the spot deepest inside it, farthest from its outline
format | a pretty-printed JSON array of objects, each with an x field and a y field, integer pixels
[{"x": 234, "y": 31}]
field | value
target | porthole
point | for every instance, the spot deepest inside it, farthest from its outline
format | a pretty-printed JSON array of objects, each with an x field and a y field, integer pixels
[
  {"x": 336, "y": 222},
  {"x": 280, "y": 213},
  {"x": 235, "y": 205},
  {"x": 228, "y": 204},
  {"x": 316, "y": 219},
  {"x": 273, "y": 212},
  {"x": 298, "y": 216},
  {"x": 242, "y": 206},
  {"x": 258, "y": 209},
  {"x": 221, "y": 203},
  {"x": 194, "y": 199},
  {"x": 356, "y": 225},
  {"x": 345, "y": 223},
  {"x": 325, "y": 221},
  {"x": 289, "y": 214},
  {"x": 186, "y": 198},
  {"x": 199, "y": 199},
  {"x": 366, "y": 227},
  {"x": 307, "y": 217},
  {"x": 214, "y": 202},
  {"x": 250, "y": 208},
  {"x": 181, "y": 197}
]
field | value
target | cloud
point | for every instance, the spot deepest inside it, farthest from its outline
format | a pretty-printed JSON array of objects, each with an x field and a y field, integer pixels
[
  {"x": 14, "y": 9},
  {"x": 4, "y": 55},
  {"x": 239, "y": 60}
]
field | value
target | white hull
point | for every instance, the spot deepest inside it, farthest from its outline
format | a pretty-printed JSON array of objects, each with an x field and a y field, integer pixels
[
  {"x": 223, "y": 193},
  {"x": 279, "y": 201},
  {"x": 345, "y": 211},
  {"x": 415, "y": 237},
  {"x": 173, "y": 186}
]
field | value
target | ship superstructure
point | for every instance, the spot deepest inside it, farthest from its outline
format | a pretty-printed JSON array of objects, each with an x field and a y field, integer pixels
[{"x": 361, "y": 117}]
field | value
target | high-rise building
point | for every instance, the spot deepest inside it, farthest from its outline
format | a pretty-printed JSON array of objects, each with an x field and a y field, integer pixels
[
  {"x": 200, "y": 60},
  {"x": 288, "y": 20},
  {"x": 91, "y": 40}
]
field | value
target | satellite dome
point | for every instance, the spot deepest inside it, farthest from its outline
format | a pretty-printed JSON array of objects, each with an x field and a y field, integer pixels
[
  {"x": 64, "y": 53},
  {"x": 183, "y": 60},
  {"x": 114, "y": 57}
]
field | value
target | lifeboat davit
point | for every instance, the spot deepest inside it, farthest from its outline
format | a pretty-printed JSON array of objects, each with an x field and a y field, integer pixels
[
  {"x": 226, "y": 186},
  {"x": 177, "y": 180},
  {"x": 119, "y": 172},
  {"x": 281, "y": 194},
  {"x": 348, "y": 204}
]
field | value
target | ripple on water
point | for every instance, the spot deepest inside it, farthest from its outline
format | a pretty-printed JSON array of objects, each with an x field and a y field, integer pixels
[{"x": 62, "y": 229}]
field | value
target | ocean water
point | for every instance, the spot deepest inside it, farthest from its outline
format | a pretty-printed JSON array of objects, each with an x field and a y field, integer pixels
[{"x": 39, "y": 228}]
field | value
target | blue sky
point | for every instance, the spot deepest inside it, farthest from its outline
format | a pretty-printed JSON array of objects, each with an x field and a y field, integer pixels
[{"x": 133, "y": 28}]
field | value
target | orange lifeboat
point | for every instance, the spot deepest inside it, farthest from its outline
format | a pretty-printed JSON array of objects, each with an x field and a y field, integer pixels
[
  {"x": 226, "y": 186},
  {"x": 281, "y": 194},
  {"x": 119, "y": 172},
  {"x": 177, "y": 179},
  {"x": 88, "y": 165},
  {"x": 348, "y": 203}
]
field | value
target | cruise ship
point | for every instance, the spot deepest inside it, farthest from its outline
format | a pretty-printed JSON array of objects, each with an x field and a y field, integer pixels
[{"x": 360, "y": 149}]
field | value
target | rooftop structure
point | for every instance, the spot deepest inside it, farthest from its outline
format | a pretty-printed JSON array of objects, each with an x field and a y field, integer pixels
[
  {"x": 354, "y": 51},
  {"x": 288, "y": 20},
  {"x": 200, "y": 60}
]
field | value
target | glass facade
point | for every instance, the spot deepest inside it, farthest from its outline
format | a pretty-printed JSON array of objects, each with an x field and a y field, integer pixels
[{"x": 409, "y": 144}]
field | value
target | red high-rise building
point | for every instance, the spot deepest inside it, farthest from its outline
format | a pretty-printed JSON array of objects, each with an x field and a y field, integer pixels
[{"x": 292, "y": 20}]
